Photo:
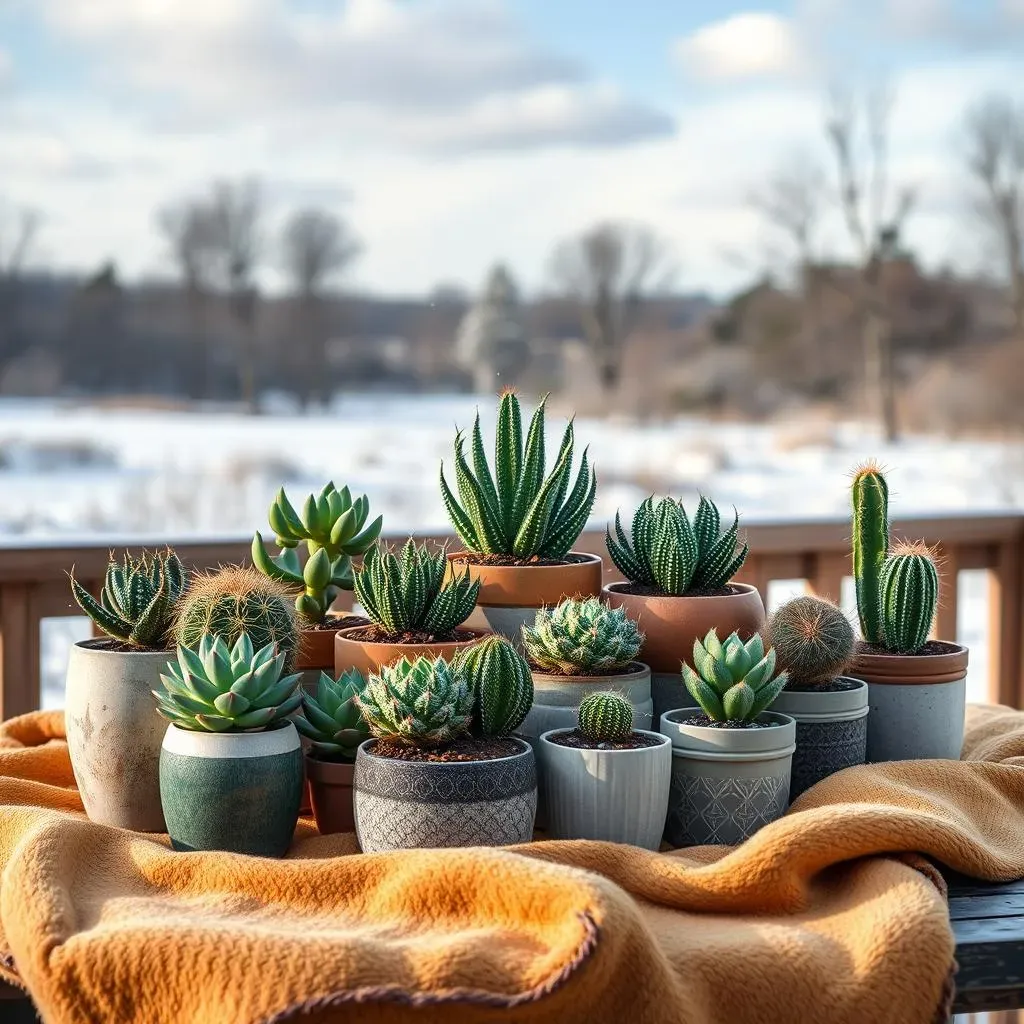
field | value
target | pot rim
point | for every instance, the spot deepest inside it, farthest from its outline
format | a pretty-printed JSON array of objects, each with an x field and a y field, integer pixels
[
  {"x": 90, "y": 646},
  {"x": 616, "y": 588},
  {"x": 584, "y": 558},
  {"x": 817, "y": 703},
  {"x": 704, "y": 742},
  {"x": 585, "y": 680},
  {"x": 327, "y": 771},
  {"x": 478, "y": 634},
  {"x": 231, "y": 744},
  {"x": 925, "y": 669},
  {"x": 666, "y": 741},
  {"x": 525, "y": 750}
]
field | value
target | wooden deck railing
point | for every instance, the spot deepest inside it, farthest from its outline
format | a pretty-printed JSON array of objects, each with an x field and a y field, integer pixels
[{"x": 34, "y": 586}]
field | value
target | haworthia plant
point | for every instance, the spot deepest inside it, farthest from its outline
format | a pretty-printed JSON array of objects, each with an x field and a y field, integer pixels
[
  {"x": 870, "y": 494},
  {"x": 909, "y": 592},
  {"x": 331, "y": 717},
  {"x": 606, "y": 718},
  {"x": 502, "y": 685},
  {"x": 582, "y": 638}
]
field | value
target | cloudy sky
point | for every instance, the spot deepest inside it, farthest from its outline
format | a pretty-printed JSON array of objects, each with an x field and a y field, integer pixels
[{"x": 452, "y": 133}]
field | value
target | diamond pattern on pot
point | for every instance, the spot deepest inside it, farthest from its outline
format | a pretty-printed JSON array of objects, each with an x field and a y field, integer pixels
[{"x": 722, "y": 811}]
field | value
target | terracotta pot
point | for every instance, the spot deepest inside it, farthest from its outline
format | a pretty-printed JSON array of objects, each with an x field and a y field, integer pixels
[
  {"x": 368, "y": 656},
  {"x": 330, "y": 783},
  {"x": 316, "y": 646}
]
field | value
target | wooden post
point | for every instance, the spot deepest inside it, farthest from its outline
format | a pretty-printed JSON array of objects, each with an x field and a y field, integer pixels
[
  {"x": 19, "y": 651},
  {"x": 1006, "y": 625}
]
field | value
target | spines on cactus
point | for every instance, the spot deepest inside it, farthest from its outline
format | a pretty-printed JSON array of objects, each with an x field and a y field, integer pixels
[
  {"x": 582, "y": 638},
  {"x": 606, "y": 718},
  {"x": 813, "y": 640},
  {"x": 870, "y": 495},
  {"x": 909, "y": 595},
  {"x": 501, "y": 682},
  {"x": 331, "y": 718}
]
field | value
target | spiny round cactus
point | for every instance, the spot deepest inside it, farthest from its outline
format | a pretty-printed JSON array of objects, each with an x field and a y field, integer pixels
[
  {"x": 501, "y": 682},
  {"x": 813, "y": 639},
  {"x": 909, "y": 592},
  {"x": 606, "y": 718},
  {"x": 582, "y": 638},
  {"x": 332, "y": 718}
]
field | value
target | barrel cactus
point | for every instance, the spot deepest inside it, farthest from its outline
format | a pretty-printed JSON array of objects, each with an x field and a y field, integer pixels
[
  {"x": 606, "y": 718},
  {"x": 909, "y": 596},
  {"x": 813, "y": 640},
  {"x": 331, "y": 718},
  {"x": 501, "y": 682},
  {"x": 582, "y": 638}
]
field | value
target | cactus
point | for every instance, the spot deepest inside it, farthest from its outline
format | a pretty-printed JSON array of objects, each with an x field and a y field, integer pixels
[
  {"x": 518, "y": 511},
  {"x": 409, "y": 594},
  {"x": 138, "y": 599},
  {"x": 222, "y": 689},
  {"x": 606, "y": 718},
  {"x": 870, "y": 546},
  {"x": 734, "y": 681},
  {"x": 332, "y": 719},
  {"x": 909, "y": 594},
  {"x": 423, "y": 703},
  {"x": 333, "y": 528},
  {"x": 582, "y": 638},
  {"x": 501, "y": 682},
  {"x": 673, "y": 554},
  {"x": 813, "y": 640}
]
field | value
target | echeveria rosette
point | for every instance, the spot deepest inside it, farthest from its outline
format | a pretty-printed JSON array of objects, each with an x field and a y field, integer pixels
[{"x": 332, "y": 719}]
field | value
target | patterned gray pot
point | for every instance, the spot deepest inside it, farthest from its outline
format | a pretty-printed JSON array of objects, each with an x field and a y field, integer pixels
[
  {"x": 831, "y": 731},
  {"x": 404, "y": 805},
  {"x": 726, "y": 783}
]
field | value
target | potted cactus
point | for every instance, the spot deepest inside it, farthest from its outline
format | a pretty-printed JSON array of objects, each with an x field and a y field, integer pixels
[
  {"x": 443, "y": 768},
  {"x": 678, "y": 574},
  {"x": 231, "y": 763},
  {"x": 916, "y": 686},
  {"x": 603, "y": 779},
  {"x": 412, "y": 609},
  {"x": 731, "y": 757},
  {"x": 113, "y": 730},
  {"x": 518, "y": 525},
  {"x": 814, "y": 644},
  {"x": 335, "y": 727}
]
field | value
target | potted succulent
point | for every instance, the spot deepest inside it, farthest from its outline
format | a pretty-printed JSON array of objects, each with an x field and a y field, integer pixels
[
  {"x": 231, "y": 763},
  {"x": 518, "y": 525},
  {"x": 731, "y": 757},
  {"x": 603, "y": 780},
  {"x": 412, "y": 610},
  {"x": 814, "y": 644},
  {"x": 443, "y": 769},
  {"x": 678, "y": 574},
  {"x": 113, "y": 730},
  {"x": 335, "y": 727},
  {"x": 916, "y": 686}
]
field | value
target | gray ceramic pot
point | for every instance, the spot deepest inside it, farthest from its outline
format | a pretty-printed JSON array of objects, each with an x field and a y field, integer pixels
[
  {"x": 831, "y": 731},
  {"x": 726, "y": 783},
  {"x": 114, "y": 733},
  {"x": 620, "y": 796},
  {"x": 402, "y": 805},
  {"x": 232, "y": 791}
]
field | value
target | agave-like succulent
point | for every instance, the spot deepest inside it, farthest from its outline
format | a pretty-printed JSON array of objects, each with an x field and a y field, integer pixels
[
  {"x": 217, "y": 689},
  {"x": 332, "y": 718},
  {"x": 582, "y": 637}
]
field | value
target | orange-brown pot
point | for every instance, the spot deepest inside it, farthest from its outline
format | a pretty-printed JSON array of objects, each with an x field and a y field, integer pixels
[
  {"x": 368, "y": 656},
  {"x": 316, "y": 646},
  {"x": 330, "y": 785},
  {"x": 531, "y": 586}
]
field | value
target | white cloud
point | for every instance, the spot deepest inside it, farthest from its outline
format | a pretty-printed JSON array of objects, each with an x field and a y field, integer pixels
[{"x": 747, "y": 45}]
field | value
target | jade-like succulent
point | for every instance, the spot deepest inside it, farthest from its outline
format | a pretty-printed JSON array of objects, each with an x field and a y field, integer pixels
[
  {"x": 606, "y": 718},
  {"x": 332, "y": 719},
  {"x": 582, "y": 638},
  {"x": 673, "y": 554},
  {"x": 813, "y": 640},
  {"x": 137, "y": 602},
  {"x": 410, "y": 593},
  {"x": 333, "y": 528},
  {"x": 222, "y": 689},
  {"x": 501, "y": 683},
  {"x": 734, "y": 681},
  {"x": 518, "y": 511}
]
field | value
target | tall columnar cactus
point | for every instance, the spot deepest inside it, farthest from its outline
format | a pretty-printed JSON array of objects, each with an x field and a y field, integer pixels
[
  {"x": 518, "y": 511},
  {"x": 870, "y": 546},
  {"x": 813, "y": 640},
  {"x": 333, "y": 528},
  {"x": 582, "y": 638},
  {"x": 606, "y": 718},
  {"x": 410, "y": 594},
  {"x": 501, "y": 682},
  {"x": 138, "y": 599},
  {"x": 331, "y": 718},
  {"x": 909, "y": 592},
  {"x": 677, "y": 556}
]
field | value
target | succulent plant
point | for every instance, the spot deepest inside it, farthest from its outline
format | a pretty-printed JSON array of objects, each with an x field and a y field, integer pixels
[
  {"x": 410, "y": 593},
  {"x": 870, "y": 546},
  {"x": 137, "y": 602},
  {"x": 582, "y": 638},
  {"x": 423, "y": 703},
  {"x": 332, "y": 719},
  {"x": 227, "y": 689},
  {"x": 518, "y": 511},
  {"x": 501, "y": 683},
  {"x": 606, "y": 718},
  {"x": 813, "y": 640},
  {"x": 734, "y": 681},
  {"x": 673, "y": 554},
  {"x": 333, "y": 528},
  {"x": 909, "y": 596}
]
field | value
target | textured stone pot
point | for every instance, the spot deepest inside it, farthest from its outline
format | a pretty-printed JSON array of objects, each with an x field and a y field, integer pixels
[
  {"x": 330, "y": 786},
  {"x": 367, "y": 656},
  {"x": 403, "y": 805},
  {"x": 726, "y": 783},
  {"x": 620, "y": 796},
  {"x": 231, "y": 791},
  {"x": 917, "y": 703},
  {"x": 114, "y": 733},
  {"x": 831, "y": 731}
]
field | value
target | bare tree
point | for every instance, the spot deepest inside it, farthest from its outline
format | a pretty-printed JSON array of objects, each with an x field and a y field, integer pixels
[
  {"x": 608, "y": 270},
  {"x": 18, "y": 232}
]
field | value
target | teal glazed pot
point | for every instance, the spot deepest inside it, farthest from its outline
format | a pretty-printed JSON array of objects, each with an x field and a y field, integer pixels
[{"x": 238, "y": 792}]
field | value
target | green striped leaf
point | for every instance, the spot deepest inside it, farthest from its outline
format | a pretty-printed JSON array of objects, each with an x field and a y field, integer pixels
[
  {"x": 458, "y": 517},
  {"x": 508, "y": 457},
  {"x": 532, "y": 475}
]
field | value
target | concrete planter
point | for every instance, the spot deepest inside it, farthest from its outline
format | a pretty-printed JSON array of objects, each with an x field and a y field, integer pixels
[
  {"x": 114, "y": 733},
  {"x": 231, "y": 791},
  {"x": 404, "y": 805},
  {"x": 620, "y": 796},
  {"x": 726, "y": 783},
  {"x": 330, "y": 787},
  {"x": 831, "y": 731}
]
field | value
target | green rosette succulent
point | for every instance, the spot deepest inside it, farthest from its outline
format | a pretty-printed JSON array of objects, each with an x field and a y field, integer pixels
[
  {"x": 582, "y": 638},
  {"x": 331, "y": 718}
]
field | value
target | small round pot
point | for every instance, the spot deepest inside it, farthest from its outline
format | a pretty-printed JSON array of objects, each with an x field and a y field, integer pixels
[
  {"x": 368, "y": 656},
  {"x": 404, "y": 805},
  {"x": 330, "y": 786},
  {"x": 231, "y": 791},
  {"x": 917, "y": 704},
  {"x": 620, "y": 796},
  {"x": 726, "y": 783}
]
